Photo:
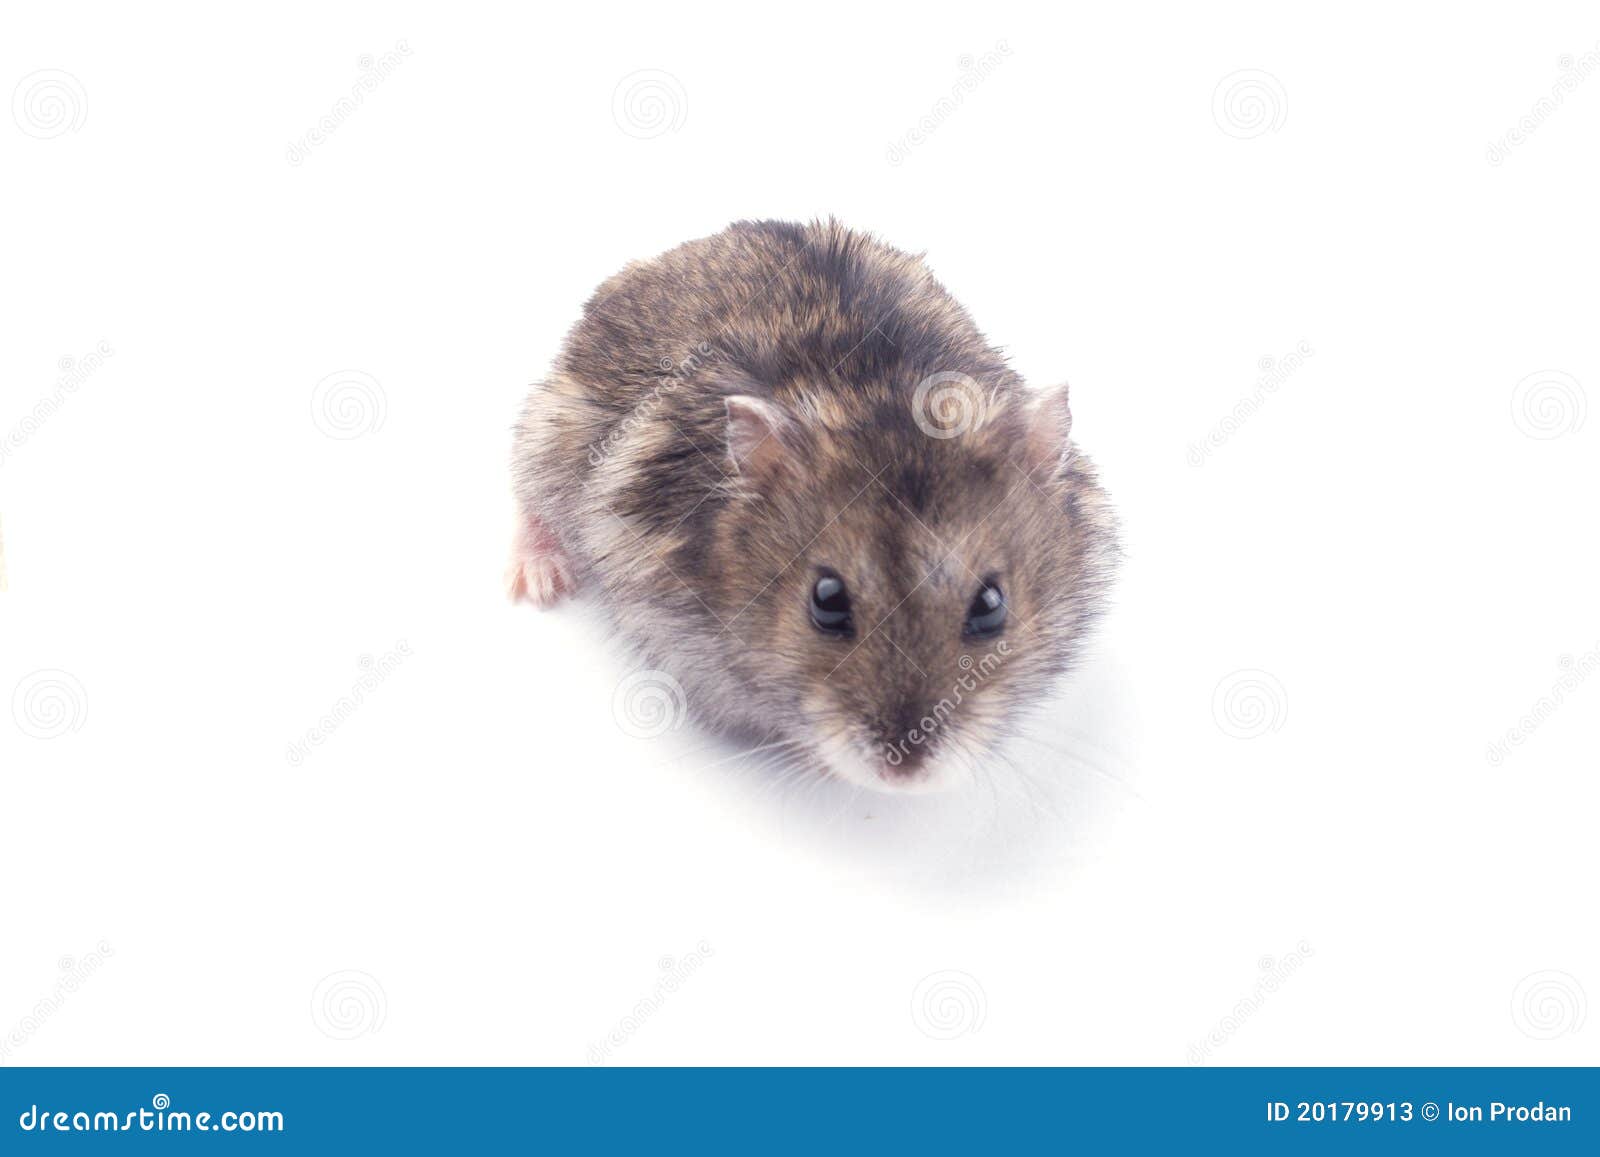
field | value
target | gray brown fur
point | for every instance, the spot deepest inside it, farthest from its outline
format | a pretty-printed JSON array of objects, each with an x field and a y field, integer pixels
[{"x": 622, "y": 452}]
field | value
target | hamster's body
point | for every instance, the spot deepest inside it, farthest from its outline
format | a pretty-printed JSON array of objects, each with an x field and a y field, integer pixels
[{"x": 776, "y": 402}]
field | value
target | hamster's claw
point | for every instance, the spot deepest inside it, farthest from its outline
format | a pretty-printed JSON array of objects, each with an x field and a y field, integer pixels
[
  {"x": 541, "y": 581},
  {"x": 538, "y": 571}
]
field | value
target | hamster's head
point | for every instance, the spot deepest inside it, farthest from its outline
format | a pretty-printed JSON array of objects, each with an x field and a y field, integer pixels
[{"x": 900, "y": 589}]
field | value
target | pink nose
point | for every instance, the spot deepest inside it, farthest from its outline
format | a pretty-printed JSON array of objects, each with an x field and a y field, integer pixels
[{"x": 904, "y": 766}]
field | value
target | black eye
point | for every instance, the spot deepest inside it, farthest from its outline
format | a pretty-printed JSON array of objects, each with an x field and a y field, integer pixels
[
  {"x": 830, "y": 605},
  {"x": 987, "y": 614}
]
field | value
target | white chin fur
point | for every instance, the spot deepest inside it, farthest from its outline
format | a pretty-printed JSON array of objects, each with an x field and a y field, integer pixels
[{"x": 846, "y": 761}]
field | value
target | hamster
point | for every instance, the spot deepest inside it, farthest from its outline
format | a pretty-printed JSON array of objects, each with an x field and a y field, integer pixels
[{"x": 801, "y": 483}]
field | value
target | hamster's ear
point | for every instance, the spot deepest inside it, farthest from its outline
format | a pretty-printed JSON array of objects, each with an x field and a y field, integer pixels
[
  {"x": 760, "y": 437},
  {"x": 1049, "y": 430}
]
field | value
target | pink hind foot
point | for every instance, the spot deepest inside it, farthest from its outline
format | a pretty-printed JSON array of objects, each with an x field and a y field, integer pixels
[{"x": 539, "y": 571}]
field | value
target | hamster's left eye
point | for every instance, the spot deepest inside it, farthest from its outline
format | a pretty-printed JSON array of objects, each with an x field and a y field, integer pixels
[
  {"x": 830, "y": 605},
  {"x": 987, "y": 614}
]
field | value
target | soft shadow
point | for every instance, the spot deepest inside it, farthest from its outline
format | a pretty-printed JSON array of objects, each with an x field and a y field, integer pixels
[{"x": 1042, "y": 807}]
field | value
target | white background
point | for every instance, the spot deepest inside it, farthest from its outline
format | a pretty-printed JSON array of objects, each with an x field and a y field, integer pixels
[{"x": 1397, "y": 546}]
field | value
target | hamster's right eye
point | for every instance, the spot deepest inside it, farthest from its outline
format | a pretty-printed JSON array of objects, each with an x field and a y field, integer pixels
[{"x": 830, "y": 605}]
